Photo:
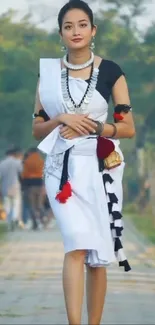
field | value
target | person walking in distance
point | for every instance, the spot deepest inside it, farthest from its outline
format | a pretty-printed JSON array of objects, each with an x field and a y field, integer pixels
[
  {"x": 10, "y": 171},
  {"x": 84, "y": 163},
  {"x": 32, "y": 185}
]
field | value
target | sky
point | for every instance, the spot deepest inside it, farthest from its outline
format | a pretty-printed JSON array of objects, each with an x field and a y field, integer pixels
[{"x": 52, "y": 7}]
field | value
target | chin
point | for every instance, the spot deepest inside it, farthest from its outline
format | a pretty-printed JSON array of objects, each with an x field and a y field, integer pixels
[{"x": 78, "y": 46}]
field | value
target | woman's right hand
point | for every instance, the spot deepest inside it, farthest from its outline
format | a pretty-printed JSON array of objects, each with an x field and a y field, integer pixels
[{"x": 78, "y": 122}]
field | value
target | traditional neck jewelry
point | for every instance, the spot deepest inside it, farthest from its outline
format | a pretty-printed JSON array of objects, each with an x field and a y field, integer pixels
[
  {"x": 69, "y": 101},
  {"x": 78, "y": 66}
]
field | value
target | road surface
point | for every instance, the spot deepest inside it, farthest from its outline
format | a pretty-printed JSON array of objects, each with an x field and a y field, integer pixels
[{"x": 31, "y": 288}]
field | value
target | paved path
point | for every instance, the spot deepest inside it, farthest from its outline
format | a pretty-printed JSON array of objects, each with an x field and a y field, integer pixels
[{"x": 31, "y": 289}]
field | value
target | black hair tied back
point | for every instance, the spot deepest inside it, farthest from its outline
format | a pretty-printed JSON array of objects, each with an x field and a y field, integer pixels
[{"x": 75, "y": 4}]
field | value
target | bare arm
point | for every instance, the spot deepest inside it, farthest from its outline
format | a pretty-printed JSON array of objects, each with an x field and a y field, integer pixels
[
  {"x": 40, "y": 128},
  {"x": 126, "y": 127},
  {"x": 78, "y": 122}
]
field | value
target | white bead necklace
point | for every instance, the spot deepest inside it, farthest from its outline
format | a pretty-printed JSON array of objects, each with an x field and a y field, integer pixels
[{"x": 78, "y": 66}]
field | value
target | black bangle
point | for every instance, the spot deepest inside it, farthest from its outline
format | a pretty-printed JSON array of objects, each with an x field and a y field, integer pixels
[
  {"x": 115, "y": 130},
  {"x": 122, "y": 108},
  {"x": 99, "y": 129},
  {"x": 42, "y": 114}
]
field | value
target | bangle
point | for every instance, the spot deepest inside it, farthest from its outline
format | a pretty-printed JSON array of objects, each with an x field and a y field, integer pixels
[
  {"x": 114, "y": 131},
  {"x": 41, "y": 114},
  {"x": 122, "y": 108},
  {"x": 99, "y": 128}
]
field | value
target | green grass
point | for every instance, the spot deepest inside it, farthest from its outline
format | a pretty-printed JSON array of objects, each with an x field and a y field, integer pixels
[
  {"x": 145, "y": 224},
  {"x": 3, "y": 229}
]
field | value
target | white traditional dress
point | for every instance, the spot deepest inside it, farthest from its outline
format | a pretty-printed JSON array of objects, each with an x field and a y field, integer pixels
[{"x": 91, "y": 218}]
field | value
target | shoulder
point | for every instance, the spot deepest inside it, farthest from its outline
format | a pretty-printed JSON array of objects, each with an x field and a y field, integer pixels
[
  {"x": 110, "y": 71},
  {"x": 16, "y": 161},
  {"x": 110, "y": 65}
]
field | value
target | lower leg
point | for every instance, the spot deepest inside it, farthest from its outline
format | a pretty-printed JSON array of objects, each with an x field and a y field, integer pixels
[
  {"x": 31, "y": 199},
  {"x": 96, "y": 291},
  {"x": 73, "y": 284}
]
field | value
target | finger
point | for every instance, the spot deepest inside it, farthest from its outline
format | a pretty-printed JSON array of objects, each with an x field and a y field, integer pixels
[
  {"x": 90, "y": 122},
  {"x": 70, "y": 133},
  {"x": 82, "y": 130},
  {"x": 88, "y": 127},
  {"x": 68, "y": 136},
  {"x": 64, "y": 129},
  {"x": 65, "y": 133},
  {"x": 72, "y": 137},
  {"x": 78, "y": 129},
  {"x": 84, "y": 115}
]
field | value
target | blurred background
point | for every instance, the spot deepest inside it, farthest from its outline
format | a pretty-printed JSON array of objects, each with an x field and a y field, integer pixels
[{"x": 126, "y": 35}]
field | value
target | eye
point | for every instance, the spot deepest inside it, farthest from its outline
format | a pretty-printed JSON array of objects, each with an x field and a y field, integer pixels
[
  {"x": 68, "y": 27},
  {"x": 83, "y": 25}
]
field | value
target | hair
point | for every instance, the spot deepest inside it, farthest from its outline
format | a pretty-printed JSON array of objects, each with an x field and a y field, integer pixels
[
  {"x": 30, "y": 151},
  {"x": 13, "y": 151},
  {"x": 75, "y": 4}
]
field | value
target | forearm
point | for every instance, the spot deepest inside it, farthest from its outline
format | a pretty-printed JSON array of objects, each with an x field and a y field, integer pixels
[
  {"x": 41, "y": 128},
  {"x": 123, "y": 130}
]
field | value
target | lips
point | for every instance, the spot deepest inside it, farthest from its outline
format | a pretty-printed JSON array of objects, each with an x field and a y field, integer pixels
[{"x": 76, "y": 40}]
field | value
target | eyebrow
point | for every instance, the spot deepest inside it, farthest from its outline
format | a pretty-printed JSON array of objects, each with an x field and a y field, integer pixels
[{"x": 69, "y": 22}]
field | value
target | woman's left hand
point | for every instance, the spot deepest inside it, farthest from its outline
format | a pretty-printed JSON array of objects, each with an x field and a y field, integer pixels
[{"x": 68, "y": 133}]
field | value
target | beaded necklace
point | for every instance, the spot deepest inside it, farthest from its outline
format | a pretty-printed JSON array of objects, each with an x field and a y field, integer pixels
[{"x": 70, "y": 103}]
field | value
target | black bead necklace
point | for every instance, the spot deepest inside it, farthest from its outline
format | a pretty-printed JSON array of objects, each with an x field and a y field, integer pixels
[{"x": 86, "y": 92}]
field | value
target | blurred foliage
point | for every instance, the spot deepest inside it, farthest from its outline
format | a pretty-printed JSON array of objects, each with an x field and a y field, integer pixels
[
  {"x": 145, "y": 225},
  {"x": 118, "y": 39}
]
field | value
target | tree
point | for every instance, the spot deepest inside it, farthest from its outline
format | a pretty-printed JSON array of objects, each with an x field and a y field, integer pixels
[{"x": 22, "y": 44}]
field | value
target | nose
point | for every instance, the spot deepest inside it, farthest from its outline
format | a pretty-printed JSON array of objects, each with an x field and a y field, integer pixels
[{"x": 76, "y": 31}]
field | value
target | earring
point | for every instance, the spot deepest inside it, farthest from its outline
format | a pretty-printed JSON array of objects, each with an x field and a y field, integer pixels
[
  {"x": 92, "y": 45},
  {"x": 63, "y": 48}
]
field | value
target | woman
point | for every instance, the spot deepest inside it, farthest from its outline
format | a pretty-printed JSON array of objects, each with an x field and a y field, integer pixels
[{"x": 83, "y": 170}]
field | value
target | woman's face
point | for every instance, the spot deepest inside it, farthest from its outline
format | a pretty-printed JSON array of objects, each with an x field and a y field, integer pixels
[{"x": 77, "y": 31}]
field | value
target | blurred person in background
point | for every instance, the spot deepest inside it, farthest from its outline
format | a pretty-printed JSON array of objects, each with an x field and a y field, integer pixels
[
  {"x": 32, "y": 187},
  {"x": 10, "y": 171},
  {"x": 48, "y": 219}
]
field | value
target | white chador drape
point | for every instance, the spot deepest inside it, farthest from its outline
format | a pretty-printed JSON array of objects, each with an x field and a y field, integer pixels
[{"x": 91, "y": 218}]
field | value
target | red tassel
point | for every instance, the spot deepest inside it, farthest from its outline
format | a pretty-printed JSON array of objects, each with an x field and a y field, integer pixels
[
  {"x": 65, "y": 193},
  {"x": 118, "y": 117}
]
